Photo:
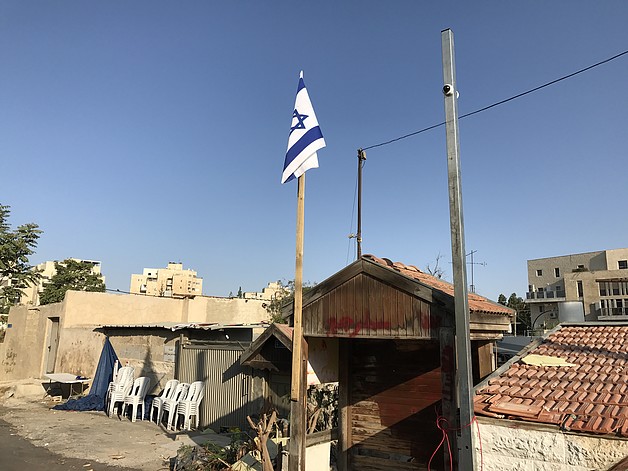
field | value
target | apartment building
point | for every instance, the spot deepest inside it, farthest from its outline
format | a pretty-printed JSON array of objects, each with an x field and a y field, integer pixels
[
  {"x": 46, "y": 271},
  {"x": 171, "y": 282},
  {"x": 593, "y": 285},
  {"x": 272, "y": 290}
]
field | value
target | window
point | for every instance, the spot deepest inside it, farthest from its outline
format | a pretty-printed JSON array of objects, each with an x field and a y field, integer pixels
[
  {"x": 557, "y": 272},
  {"x": 539, "y": 272},
  {"x": 580, "y": 289},
  {"x": 602, "y": 288},
  {"x": 622, "y": 264},
  {"x": 580, "y": 267}
]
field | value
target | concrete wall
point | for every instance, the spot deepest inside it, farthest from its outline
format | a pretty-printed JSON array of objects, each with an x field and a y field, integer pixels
[
  {"x": 84, "y": 308},
  {"x": 150, "y": 352},
  {"x": 519, "y": 446},
  {"x": 24, "y": 351}
]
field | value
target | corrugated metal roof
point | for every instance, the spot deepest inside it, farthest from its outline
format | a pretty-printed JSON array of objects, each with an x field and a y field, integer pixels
[{"x": 180, "y": 326}]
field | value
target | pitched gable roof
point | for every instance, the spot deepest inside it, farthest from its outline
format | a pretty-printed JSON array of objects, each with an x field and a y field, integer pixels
[
  {"x": 589, "y": 396},
  {"x": 477, "y": 303}
]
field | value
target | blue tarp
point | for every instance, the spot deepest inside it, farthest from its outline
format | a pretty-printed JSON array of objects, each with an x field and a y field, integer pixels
[{"x": 95, "y": 400}]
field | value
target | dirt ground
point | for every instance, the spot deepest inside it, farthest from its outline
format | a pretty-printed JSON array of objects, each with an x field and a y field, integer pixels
[{"x": 91, "y": 436}]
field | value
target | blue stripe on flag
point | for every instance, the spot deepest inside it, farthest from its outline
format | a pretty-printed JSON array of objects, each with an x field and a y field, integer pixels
[
  {"x": 310, "y": 136},
  {"x": 301, "y": 85}
]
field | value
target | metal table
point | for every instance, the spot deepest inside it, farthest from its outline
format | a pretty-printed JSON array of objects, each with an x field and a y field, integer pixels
[{"x": 66, "y": 378}]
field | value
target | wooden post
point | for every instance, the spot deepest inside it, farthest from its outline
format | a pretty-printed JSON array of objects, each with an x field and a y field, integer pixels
[
  {"x": 361, "y": 159},
  {"x": 466, "y": 445},
  {"x": 344, "y": 407},
  {"x": 298, "y": 417}
]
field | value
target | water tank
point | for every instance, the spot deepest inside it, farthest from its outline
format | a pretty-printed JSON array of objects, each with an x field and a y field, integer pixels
[{"x": 571, "y": 311}]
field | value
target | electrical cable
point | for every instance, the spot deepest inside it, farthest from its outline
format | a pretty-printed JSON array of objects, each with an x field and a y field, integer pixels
[
  {"x": 355, "y": 196},
  {"x": 501, "y": 102}
]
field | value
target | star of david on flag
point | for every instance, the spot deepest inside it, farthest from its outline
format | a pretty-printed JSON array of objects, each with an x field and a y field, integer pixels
[{"x": 305, "y": 137}]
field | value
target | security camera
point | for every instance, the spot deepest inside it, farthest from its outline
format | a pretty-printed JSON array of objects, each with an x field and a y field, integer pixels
[{"x": 448, "y": 90}]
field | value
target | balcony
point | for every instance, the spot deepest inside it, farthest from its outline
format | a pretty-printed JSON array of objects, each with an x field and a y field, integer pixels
[
  {"x": 612, "y": 314},
  {"x": 558, "y": 295}
]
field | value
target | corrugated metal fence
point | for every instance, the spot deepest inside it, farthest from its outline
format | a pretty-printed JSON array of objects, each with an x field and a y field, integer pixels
[{"x": 228, "y": 385}]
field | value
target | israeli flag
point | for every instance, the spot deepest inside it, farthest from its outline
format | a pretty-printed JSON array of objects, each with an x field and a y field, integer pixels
[{"x": 305, "y": 137}]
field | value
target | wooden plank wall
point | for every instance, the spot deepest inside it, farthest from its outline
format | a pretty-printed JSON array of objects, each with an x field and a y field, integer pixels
[
  {"x": 394, "y": 388},
  {"x": 364, "y": 307}
]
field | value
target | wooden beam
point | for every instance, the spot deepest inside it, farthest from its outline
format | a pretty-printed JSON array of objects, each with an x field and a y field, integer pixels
[{"x": 344, "y": 407}]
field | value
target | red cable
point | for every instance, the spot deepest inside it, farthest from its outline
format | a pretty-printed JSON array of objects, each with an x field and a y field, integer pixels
[{"x": 445, "y": 429}]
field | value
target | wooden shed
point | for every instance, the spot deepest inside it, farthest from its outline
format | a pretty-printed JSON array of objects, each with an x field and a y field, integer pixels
[
  {"x": 395, "y": 331},
  {"x": 271, "y": 353}
]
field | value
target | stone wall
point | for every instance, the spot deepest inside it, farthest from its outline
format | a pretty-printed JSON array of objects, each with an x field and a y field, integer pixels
[{"x": 519, "y": 446}]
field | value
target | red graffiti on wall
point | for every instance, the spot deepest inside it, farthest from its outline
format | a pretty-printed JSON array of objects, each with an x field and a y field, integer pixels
[{"x": 348, "y": 325}]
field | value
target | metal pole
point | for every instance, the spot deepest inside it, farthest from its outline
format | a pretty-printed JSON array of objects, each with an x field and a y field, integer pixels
[
  {"x": 472, "y": 268},
  {"x": 361, "y": 159},
  {"x": 466, "y": 445}
]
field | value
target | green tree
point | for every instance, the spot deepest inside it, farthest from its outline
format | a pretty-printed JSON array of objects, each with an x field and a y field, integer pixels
[
  {"x": 284, "y": 298},
  {"x": 240, "y": 295},
  {"x": 522, "y": 309},
  {"x": 71, "y": 274},
  {"x": 16, "y": 246}
]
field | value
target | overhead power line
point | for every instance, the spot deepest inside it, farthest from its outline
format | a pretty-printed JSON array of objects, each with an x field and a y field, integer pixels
[{"x": 519, "y": 95}]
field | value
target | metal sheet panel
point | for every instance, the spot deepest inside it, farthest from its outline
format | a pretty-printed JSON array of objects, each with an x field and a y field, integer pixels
[{"x": 228, "y": 393}]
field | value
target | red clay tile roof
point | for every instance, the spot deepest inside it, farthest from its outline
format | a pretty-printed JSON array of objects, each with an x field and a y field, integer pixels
[
  {"x": 591, "y": 396},
  {"x": 477, "y": 303}
]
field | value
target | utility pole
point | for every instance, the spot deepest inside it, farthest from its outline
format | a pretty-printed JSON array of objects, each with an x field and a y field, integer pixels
[
  {"x": 361, "y": 159},
  {"x": 465, "y": 442}
]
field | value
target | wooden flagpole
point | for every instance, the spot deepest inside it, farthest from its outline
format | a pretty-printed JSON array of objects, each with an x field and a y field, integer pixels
[{"x": 298, "y": 418}]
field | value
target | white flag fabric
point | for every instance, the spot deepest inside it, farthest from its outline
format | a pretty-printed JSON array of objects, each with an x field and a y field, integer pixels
[{"x": 305, "y": 137}]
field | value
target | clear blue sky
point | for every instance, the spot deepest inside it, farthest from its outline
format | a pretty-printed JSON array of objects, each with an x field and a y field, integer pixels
[{"x": 137, "y": 133}]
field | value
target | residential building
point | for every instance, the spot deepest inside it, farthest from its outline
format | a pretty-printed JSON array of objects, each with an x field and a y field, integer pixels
[
  {"x": 170, "y": 282},
  {"x": 269, "y": 293},
  {"x": 591, "y": 286},
  {"x": 46, "y": 271}
]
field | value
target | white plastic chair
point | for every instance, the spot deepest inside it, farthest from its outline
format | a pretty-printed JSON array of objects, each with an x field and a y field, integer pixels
[
  {"x": 158, "y": 402},
  {"x": 189, "y": 407},
  {"x": 135, "y": 398},
  {"x": 170, "y": 405},
  {"x": 119, "y": 389},
  {"x": 120, "y": 378}
]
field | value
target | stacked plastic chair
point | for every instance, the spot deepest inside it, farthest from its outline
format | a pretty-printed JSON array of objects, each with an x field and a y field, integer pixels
[
  {"x": 189, "y": 407},
  {"x": 170, "y": 404},
  {"x": 119, "y": 388},
  {"x": 136, "y": 397},
  {"x": 158, "y": 402}
]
